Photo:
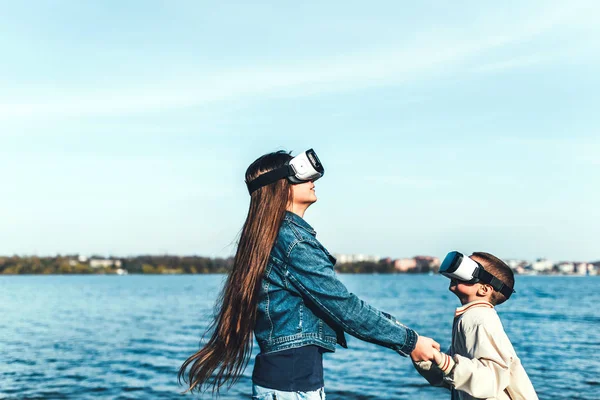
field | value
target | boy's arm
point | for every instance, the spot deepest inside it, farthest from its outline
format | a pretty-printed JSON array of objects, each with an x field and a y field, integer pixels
[
  {"x": 432, "y": 373},
  {"x": 486, "y": 375}
]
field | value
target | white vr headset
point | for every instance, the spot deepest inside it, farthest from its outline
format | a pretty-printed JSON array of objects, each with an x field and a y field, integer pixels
[
  {"x": 302, "y": 168},
  {"x": 465, "y": 269}
]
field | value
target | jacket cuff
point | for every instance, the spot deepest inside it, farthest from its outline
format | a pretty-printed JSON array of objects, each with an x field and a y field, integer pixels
[
  {"x": 447, "y": 364},
  {"x": 409, "y": 344}
]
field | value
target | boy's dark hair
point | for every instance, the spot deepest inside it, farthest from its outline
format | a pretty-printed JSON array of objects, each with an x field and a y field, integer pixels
[{"x": 499, "y": 269}]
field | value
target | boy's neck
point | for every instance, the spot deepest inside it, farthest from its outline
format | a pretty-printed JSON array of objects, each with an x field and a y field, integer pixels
[
  {"x": 464, "y": 300},
  {"x": 474, "y": 304},
  {"x": 476, "y": 301}
]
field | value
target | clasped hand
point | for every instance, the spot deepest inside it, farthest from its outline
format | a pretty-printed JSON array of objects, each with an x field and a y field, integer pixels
[{"x": 426, "y": 349}]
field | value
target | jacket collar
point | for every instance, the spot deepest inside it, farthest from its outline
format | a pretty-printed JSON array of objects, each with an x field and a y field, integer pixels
[
  {"x": 299, "y": 221},
  {"x": 474, "y": 304}
]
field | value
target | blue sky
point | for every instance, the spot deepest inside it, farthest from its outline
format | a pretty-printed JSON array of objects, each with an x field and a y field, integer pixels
[{"x": 126, "y": 127}]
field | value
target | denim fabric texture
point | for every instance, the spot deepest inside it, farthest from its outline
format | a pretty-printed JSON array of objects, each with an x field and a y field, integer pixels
[
  {"x": 263, "y": 393},
  {"x": 302, "y": 302}
]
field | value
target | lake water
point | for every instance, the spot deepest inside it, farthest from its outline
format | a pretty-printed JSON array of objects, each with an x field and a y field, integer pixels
[{"x": 124, "y": 337}]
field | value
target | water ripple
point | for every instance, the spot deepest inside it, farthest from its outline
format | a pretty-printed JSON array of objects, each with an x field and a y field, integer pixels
[{"x": 67, "y": 337}]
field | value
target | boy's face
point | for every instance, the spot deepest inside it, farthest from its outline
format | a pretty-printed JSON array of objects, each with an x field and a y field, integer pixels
[{"x": 468, "y": 292}]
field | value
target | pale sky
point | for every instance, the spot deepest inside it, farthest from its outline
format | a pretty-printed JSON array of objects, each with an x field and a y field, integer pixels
[{"x": 126, "y": 127}]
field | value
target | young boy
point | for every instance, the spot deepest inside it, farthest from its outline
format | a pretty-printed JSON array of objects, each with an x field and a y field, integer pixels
[{"x": 481, "y": 362}]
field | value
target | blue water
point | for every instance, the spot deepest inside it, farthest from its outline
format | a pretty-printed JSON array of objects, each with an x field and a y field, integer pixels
[{"x": 124, "y": 337}]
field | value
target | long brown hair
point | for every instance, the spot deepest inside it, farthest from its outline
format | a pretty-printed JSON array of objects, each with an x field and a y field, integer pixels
[{"x": 226, "y": 354}]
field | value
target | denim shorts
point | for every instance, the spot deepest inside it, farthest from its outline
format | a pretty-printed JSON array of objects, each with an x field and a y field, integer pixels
[{"x": 263, "y": 393}]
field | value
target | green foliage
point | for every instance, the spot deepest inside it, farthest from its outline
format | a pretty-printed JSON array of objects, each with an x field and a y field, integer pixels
[
  {"x": 16, "y": 265},
  {"x": 147, "y": 264},
  {"x": 366, "y": 267}
]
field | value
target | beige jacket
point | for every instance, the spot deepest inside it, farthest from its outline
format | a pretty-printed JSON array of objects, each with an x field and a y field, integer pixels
[{"x": 481, "y": 362}]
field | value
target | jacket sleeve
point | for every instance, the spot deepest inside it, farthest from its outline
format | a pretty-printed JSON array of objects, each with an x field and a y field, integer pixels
[
  {"x": 311, "y": 272},
  {"x": 488, "y": 374},
  {"x": 431, "y": 373}
]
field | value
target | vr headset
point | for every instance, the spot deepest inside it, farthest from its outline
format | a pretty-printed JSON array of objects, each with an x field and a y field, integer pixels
[
  {"x": 302, "y": 168},
  {"x": 465, "y": 269}
]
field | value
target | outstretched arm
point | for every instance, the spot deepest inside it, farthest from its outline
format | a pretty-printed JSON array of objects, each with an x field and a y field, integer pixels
[{"x": 314, "y": 277}]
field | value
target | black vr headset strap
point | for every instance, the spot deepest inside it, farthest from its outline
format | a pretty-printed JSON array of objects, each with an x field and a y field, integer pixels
[
  {"x": 270, "y": 177},
  {"x": 496, "y": 283}
]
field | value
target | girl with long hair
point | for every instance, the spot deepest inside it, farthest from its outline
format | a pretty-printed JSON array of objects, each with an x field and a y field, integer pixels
[{"x": 283, "y": 290}]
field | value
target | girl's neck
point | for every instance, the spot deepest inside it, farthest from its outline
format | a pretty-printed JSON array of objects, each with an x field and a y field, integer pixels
[{"x": 298, "y": 209}]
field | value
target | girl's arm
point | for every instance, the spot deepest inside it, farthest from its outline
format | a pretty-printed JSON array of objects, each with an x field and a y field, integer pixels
[{"x": 311, "y": 272}]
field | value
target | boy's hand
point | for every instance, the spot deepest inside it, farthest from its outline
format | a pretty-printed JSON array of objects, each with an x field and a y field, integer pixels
[
  {"x": 443, "y": 362},
  {"x": 437, "y": 357},
  {"x": 424, "y": 350}
]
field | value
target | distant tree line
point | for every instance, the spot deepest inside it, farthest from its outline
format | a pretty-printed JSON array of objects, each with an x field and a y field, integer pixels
[
  {"x": 17, "y": 265},
  {"x": 365, "y": 267},
  {"x": 152, "y": 264},
  {"x": 383, "y": 266},
  {"x": 176, "y": 265}
]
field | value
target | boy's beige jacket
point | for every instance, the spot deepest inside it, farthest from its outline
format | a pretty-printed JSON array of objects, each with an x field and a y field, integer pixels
[{"x": 481, "y": 362}]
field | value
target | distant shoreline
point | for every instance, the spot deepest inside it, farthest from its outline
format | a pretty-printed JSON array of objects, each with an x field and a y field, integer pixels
[
  {"x": 225, "y": 273},
  {"x": 196, "y": 265}
]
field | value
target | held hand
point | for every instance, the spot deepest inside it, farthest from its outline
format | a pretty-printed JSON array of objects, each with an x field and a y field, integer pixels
[
  {"x": 437, "y": 357},
  {"x": 424, "y": 350},
  {"x": 443, "y": 361}
]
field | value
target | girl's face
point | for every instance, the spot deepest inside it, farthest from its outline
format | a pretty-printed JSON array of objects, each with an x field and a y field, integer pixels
[{"x": 304, "y": 194}]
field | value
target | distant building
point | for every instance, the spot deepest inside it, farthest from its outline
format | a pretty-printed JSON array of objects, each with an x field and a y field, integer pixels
[
  {"x": 520, "y": 270},
  {"x": 355, "y": 258},
  {"x": 427, "y": 261},
  {"x": 405, "y": 264},
  {"x": 542, "y": 265},
  {"x": 583, "y": 268},
  {"x": 342, "y": 258},
  {"x": 516, "y": 264},
  {"x": 103, "y": 263},
  {"x": 565, "y": 267}
]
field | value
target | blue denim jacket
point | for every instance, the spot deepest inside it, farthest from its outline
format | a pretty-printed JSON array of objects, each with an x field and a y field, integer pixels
[{"x": 302, "y": 302}]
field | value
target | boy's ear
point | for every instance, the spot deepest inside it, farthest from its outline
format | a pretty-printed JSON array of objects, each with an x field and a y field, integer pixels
[{"x": 485, "y": 290}]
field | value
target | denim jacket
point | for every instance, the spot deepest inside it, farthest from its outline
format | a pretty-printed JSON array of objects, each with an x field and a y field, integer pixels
[{"x": 302, "y": 302}]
